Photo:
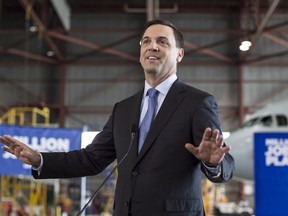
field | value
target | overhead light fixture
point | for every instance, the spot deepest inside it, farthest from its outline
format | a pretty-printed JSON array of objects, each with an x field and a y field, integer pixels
[
  {"x": 33, "y": 28},
  {"x": 245, "y": 45},
  {"x": 50, "y": 53}
]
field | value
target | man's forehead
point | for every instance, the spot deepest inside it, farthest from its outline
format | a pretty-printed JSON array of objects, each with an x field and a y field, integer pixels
[{"x": 158, "y": 31}]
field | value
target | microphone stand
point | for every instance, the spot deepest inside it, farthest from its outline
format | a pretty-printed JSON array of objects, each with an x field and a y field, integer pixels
[{"x": 133, "y": 131}]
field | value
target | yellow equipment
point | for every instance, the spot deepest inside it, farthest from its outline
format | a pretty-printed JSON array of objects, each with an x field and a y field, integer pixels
[{"x": 24, "y": 194}]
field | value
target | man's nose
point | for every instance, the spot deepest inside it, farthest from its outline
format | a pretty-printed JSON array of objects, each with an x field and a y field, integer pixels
[{"x": 153, "y": 46}]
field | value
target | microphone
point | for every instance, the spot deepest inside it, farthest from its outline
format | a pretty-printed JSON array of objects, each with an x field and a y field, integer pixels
[{"x": 133, "y": 132}]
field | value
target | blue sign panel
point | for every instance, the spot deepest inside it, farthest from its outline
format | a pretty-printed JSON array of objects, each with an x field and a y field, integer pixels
[
  {"x": 271, "y": 174},
  {"x": 40, "y": 139}
]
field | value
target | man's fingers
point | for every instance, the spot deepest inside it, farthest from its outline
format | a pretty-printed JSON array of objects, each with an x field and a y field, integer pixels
[
  {"x": 4, "y": 141},
  {"x": 20, "y": 150},
  {"x": 207, "y": 134},
  {"x": 17, "y": 151},
  {"x": 226, "y": 149},
  {"x": 7, "y": 140},
  {"x": 11, "y": 143},
  {"x": 7, "y": 149},
  {"x": 220, "y": 141},
  {"x": 191, "y": 148},
  {"x": 215, "y": 135},
  {"x": 212, "y": 136}
]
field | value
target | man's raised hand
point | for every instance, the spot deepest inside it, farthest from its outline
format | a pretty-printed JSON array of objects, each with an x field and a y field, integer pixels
[
  {"x": 211, "y": 149},
  {"x": 22, "y": 151}
]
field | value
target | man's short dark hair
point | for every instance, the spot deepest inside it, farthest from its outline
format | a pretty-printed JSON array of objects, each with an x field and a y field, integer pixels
[{"x": 177, "y": 33}]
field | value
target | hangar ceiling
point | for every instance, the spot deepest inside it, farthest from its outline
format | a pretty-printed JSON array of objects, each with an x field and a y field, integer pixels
[
  {"x": 45, "y": 32},
  {"x": 39, "y": 19}
]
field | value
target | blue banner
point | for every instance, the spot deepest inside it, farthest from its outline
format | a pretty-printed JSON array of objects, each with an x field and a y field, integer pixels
[
  {"x": 271, "y": 173},
  {"x": 40, "y": 139}
]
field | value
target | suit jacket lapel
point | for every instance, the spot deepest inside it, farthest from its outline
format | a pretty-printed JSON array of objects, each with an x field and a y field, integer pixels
[
  {"x": 135, "y": 108},
  {"x": 172, "y": 100}
]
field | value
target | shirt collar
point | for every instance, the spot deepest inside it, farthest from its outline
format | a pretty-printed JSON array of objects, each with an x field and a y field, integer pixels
[{"x": 163, "y": 87}]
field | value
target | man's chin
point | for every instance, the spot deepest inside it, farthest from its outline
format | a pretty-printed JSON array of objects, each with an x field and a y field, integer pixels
[{"x": 151, "y": 70}]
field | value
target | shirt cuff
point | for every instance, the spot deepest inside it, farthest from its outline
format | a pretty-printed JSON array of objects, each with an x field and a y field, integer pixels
[
  {"x": 39, "y": 168},
  {"x": 215, "y": 171}
]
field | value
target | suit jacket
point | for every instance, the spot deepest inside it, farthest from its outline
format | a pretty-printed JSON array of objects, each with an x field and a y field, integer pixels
[{"x": 164, "y": 178}]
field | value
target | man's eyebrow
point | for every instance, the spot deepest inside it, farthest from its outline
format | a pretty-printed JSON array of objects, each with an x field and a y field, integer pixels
[
  {"x": 145, "y": 37},
  {"x": 162, "y": 37},
  {"x": 157, "y": 38}
]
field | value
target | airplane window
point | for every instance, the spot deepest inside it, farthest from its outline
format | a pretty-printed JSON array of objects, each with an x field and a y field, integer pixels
[
  {"x": 267, "y": 120},
  {"x": 282, "y": 120},
  {"x": 251, "y": 122}
]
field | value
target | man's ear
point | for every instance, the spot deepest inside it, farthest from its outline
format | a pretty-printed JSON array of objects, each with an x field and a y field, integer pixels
[{"x": 180, "y": 55}]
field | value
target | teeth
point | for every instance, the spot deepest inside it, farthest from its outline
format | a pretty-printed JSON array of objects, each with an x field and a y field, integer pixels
[{"x": 152, "y": 58}]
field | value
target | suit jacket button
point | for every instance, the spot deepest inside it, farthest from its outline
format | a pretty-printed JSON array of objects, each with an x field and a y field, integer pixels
[
  {"x": 134, "y": 173},
  {"x": 126, "y": 204}
]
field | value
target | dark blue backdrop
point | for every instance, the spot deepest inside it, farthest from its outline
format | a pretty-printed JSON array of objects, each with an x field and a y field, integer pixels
[
  {"x": 40, "y": 139},
  {"x": 271, "y": 174}
]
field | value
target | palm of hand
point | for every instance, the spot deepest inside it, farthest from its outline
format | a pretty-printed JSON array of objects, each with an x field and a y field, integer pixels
[
  {"x": 211, "y": 149},
  {"x": 20, "y": 150},
  {"x": 209, "y": 152}
]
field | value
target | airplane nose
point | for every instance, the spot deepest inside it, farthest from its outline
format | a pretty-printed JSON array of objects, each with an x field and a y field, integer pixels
[{"x": 242, "y": 148}]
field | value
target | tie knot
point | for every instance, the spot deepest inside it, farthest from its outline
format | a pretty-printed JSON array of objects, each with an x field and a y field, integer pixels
[{"x": 152, "y": 92}]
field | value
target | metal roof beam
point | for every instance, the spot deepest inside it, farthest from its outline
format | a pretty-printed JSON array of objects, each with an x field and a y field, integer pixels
[
  {"x": 91, "y": 45},
  {"x": 26, "y": 54},
  {"x": 42, "y": 28},
  {"x": 261, "y": 27},
  {"x": 209, "y": 52}
]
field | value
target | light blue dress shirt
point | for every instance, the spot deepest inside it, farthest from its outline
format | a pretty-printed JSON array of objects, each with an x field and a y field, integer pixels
[{"x": 163, "y": 89}]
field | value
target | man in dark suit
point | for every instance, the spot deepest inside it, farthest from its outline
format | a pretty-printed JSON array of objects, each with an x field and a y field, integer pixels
[{"x": 163, "y": 176}]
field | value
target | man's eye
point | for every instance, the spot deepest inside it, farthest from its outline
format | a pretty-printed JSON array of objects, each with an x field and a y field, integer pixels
[
  {"x": 144, "y": 42},
  {"x": 163, "y": 42}
]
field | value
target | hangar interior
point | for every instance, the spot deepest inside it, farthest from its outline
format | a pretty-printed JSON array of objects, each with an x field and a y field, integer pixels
[{"x": 78, "y": 58}]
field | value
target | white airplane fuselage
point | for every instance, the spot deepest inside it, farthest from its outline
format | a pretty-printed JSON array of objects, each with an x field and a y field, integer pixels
[{"x": 273, "y": 118}]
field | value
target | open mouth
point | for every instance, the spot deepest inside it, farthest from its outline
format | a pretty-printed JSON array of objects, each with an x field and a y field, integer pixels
[{"x": 153, "y": 58}]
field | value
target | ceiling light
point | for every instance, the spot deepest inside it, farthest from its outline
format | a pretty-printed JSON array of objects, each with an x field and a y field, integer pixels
[
  {"x": 33, "y": 28},
  {"x": 50, "y": 53},
  {"x": 245, "y": 45}
]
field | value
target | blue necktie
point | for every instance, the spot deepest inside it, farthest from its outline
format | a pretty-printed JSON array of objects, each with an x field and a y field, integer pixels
[{"x": 149, "y": 116}]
